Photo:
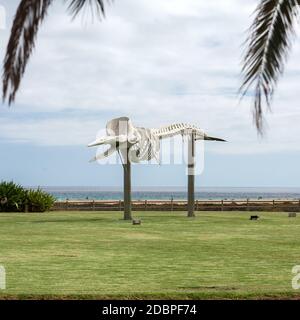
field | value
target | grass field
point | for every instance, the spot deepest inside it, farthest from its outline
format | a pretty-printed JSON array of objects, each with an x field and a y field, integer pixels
[{"x": 98, "y": 255}]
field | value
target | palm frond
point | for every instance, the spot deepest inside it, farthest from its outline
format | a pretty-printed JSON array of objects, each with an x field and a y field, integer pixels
[
  {"x": 76, "y": 6},
  {"x": 267, "y": 47},
  {"x": 28, "y": 18}
]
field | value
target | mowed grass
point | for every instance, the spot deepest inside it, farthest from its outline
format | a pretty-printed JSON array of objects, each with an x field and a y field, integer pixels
[{"x": 98, "y": 255}]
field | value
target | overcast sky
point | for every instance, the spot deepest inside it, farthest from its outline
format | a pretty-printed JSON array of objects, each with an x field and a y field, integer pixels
[{"x": 158, "y": 62}]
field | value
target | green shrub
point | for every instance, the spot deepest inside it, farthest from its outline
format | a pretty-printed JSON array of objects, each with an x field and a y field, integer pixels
[
  {"x": 15, "y": 198},
  {"x": 12, "y": 197},
  {"x": 39, "y": 201}
]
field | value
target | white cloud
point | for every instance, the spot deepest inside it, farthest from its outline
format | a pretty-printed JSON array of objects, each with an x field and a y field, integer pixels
[{"x": 156, "y": 61}]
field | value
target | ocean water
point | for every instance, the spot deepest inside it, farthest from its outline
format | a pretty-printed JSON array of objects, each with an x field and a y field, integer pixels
[{"x": 159, "y": 193}]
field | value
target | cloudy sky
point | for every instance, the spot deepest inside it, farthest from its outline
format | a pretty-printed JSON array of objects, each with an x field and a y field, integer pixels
[{"x": 158, "y": 62}]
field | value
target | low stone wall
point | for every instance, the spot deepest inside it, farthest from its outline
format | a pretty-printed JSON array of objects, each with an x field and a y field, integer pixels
[{"x": 169, "y": 205}]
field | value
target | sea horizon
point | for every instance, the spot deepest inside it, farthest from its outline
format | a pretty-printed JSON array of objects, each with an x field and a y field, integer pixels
[{"x": 166, "y": 193}]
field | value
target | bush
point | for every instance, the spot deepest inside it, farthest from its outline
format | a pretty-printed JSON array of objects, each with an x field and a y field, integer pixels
[
  {"x": 39, "y": 201},
  {"x": 14, "y": 198}
]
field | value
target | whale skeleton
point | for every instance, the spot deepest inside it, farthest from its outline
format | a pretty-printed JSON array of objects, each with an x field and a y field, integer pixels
[
  {"x": 141, "y": 144},
  {"x": 136, "y": 144}
]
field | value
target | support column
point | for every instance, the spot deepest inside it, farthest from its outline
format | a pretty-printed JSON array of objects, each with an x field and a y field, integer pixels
[
  {"x": 191, "y": 175},
  {"x": 127, "y": 188}
]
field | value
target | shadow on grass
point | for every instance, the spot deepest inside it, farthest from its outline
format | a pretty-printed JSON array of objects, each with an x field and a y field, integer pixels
[
  {"x": 157, "y": 296},
  {"x": 69, "y": 220}
]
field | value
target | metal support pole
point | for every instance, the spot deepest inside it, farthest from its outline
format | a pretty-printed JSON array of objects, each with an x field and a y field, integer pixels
[
  {"x": 127, "y": 188},
  {"x": 191, "y": 175}
]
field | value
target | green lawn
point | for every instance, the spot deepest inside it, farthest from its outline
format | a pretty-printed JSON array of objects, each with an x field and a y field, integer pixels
[{"x": 98, "y": 255}]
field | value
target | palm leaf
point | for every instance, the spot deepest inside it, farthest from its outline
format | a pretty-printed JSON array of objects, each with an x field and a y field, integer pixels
[
  {"x": 76, "y": 6},
  {"x": 267, "y": 47},
  {"x": 29, "y": 16}
]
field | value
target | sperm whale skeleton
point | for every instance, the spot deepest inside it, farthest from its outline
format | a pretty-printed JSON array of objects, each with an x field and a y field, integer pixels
[{"x": 141, "y": 144}]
